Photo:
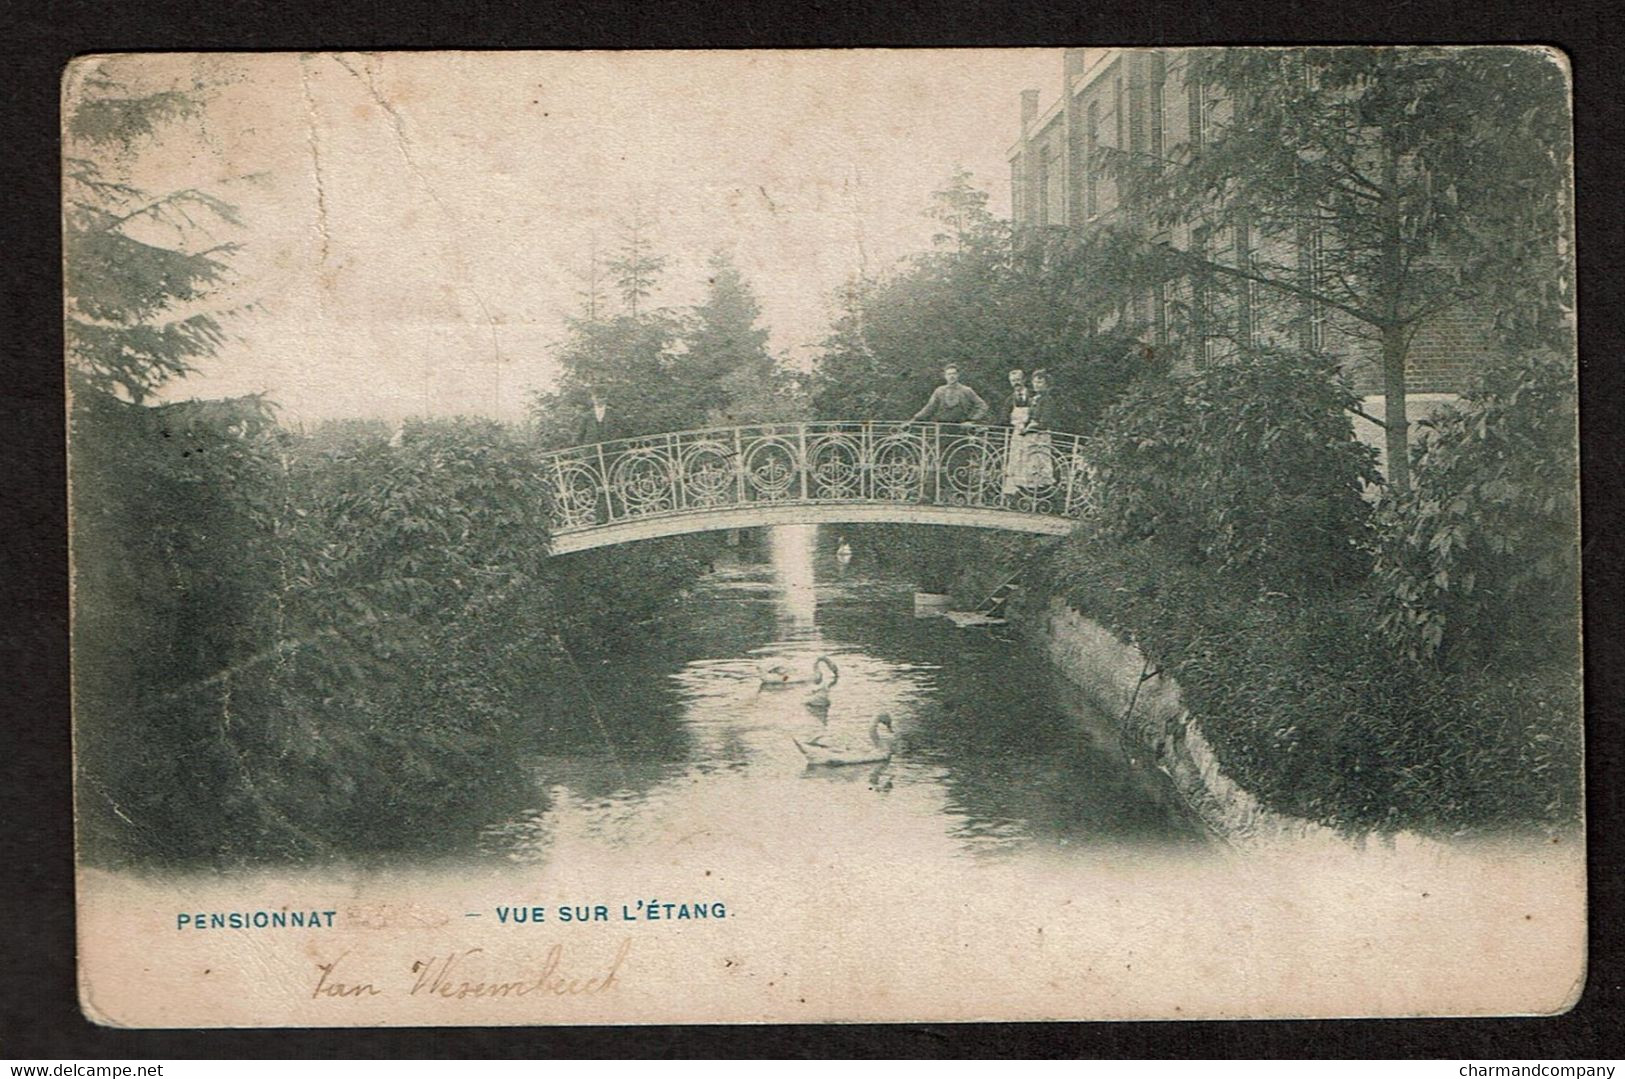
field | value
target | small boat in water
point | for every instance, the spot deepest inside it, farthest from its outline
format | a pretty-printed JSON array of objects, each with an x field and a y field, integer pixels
[{"x": 819, "y": 752}]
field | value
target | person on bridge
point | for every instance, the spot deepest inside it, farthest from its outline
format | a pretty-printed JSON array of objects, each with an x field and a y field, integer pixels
[
  {"x": 1037, "y": 469},
  {"x": 596, "y": 425},
  {"x": 1017, "y": 408},
  {"x": 599, "y": 425},
  {"x": 952, "y": 402},
  {"x": 1043, "y": 414},
  {"x": 1018, "y": 392}
]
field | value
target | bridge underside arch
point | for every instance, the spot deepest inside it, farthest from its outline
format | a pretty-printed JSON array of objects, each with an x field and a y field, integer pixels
[{"x": 759, "y": 514}]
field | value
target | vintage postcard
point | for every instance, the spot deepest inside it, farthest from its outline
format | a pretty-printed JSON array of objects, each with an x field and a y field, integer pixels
[{"x": 823, "y": 536}]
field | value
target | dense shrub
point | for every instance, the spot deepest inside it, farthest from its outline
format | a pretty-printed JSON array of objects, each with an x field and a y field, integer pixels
[
  {"x": 1230, "y": 546},
  {"x": 173, "y": 581},
  {"x": 284, "y": 651},
  {"x": 293, "y": 646},
  {"x": 1248, "y": 465},
  {"x": 603, "y": 596},
  {"x": 420, "y": 525},
  {"x": 171, "y": 539},
  {"x": 1480, "y": 559},
  {"x": 1308, "y": 707}
]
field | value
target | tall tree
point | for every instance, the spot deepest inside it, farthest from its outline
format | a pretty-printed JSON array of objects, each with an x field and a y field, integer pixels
[
  {"x": 849, "y": 378},
  {"x": 636, "y": 267},
  {"x": 139, "y": 265},
  {"x": 727, "y": 352},
  {"x": 627, "y": 359},
  {"x": 627, "y": 362},
  {"x": 1422, "y": 179},
  {"x": 987, "y": 301},
  {"x": 592, "y": 295}
]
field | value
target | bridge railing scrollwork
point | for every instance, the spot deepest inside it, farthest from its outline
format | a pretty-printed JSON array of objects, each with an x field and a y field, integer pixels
[{"x": 955, "y": 465}]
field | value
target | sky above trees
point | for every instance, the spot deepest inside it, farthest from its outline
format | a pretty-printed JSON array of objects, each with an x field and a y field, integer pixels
[{"x": 417, "y": 228}]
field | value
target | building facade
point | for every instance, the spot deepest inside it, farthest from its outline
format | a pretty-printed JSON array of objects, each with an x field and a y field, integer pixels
[{"x": 1139, "y": 100}]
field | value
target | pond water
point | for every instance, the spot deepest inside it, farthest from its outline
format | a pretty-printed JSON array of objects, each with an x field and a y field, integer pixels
[{"x": 994, "y": 756}]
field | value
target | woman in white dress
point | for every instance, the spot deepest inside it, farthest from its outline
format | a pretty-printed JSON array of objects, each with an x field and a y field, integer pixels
[
  {"x": 1038, "y": 467},
  {"x": 1018, "y": 406}
]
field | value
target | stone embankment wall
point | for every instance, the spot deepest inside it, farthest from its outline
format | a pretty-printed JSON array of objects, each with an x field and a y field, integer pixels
[{"x": 1146, "y": 704}]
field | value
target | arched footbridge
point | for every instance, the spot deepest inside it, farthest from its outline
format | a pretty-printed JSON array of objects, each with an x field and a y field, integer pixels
[{"x": 816, "y": 473}]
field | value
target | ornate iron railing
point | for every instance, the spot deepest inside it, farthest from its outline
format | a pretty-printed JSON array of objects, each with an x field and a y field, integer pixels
[{"x": 685, "y": 472}]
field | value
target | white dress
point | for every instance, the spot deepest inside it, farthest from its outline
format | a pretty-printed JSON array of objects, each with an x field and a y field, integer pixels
[{"x": 1017, "y": 466}]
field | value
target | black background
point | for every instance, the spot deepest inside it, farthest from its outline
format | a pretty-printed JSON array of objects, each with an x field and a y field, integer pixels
[{"x": 39, "y": 1014}]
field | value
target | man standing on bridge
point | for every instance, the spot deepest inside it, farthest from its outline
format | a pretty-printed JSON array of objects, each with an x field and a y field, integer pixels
[
  {"x": 599, "y": 425},
  {"x": 596, "y": 424},
  {"x": 952, "y": 402}
]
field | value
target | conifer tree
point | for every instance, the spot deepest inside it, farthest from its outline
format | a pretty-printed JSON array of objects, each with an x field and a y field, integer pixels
[
  {"x": 623, "y": 358},
  {"x": 636, "y": 268},
  {"x": 140, "y": 265},
  {"x": 727, "y": 353}
]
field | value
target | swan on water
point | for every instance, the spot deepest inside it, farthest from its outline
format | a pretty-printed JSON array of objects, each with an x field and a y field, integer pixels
[
  {"x": 776, "y": 675},
  {"x": 818, "y": 699},
  {"x": 879, "y": 748}
]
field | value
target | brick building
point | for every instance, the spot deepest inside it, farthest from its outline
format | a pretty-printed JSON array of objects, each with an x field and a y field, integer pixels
[{"x": 1139, "y": 100}]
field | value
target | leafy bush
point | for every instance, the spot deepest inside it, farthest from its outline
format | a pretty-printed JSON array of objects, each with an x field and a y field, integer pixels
[
  {"x": 1249, "y": 465},
  {"x": 289, "y": 653},
  {"x": 1230, "y": 546},
  {"x": 295, "y": 647},
  {"x": 170, "y": 536},
  {"x": 602, "y": 595},
  {"x": 1308, "y": 707},
  {"x": 1481, "y": 556},
  {"x": 450, "y": 512},
  {"x": 173, "y": 579}
]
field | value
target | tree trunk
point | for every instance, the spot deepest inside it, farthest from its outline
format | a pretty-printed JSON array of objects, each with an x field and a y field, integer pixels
[
  {"x": 1396, "y": 337},
  {"x": 1394, "y": 342}
]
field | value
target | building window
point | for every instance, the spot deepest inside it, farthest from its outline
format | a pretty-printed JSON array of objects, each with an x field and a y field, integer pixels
[
  {"x": 1119, "y": 112},
  {"x": 1314, "y": 279},
  {"x": 1091, "y": 183},
  {"x": 1157, "y": 127},
  {"x": 1044, "y": 165},
  {"x": 1201, "y": 319},
  {"x": 1247, "y": 298},
  {"x": 1308, "y": 74},
  {"x": 1211, "y": 301},
  {"x": 1201, "y": 316},
  {"x": 1194, "y": 106},
  {"x": 1210, "y": 117}
]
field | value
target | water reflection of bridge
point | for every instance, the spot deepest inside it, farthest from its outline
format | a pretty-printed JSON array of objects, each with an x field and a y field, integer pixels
[{"x": 816, "y": 473}]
